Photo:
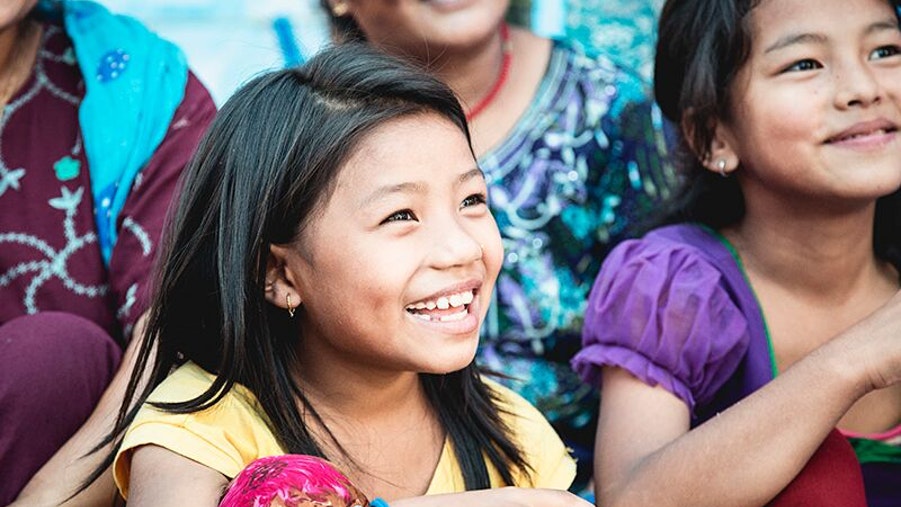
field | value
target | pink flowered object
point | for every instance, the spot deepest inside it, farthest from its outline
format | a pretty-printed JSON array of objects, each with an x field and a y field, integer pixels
[{"x": 292, "y": 480}]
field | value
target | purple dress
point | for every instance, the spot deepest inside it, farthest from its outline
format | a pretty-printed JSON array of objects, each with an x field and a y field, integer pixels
[{"x": 653, "y": 310}]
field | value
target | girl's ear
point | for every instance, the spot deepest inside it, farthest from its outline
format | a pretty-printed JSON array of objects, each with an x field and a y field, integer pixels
[
  {"x": 339, "y": 8},
  {"x": 282, "y": 289},
  {"x": 722, "y": 157}
]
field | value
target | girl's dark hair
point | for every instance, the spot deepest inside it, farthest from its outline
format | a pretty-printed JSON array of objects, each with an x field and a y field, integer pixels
[
  {"x": 268, "y": 161},
  {"x": 701, "y": 46}
]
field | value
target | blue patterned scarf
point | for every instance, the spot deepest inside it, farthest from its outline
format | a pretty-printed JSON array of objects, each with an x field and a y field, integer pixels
[{"x": 134, "y": 82}]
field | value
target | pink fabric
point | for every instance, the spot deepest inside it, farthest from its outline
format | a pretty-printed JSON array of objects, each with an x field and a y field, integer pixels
[{"x": 292, "y": 480}]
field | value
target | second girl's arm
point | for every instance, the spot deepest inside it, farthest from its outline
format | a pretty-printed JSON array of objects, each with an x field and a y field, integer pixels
[{"x": 645, "y": 454}]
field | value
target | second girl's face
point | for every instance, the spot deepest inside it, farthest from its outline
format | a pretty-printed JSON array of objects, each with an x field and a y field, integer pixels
[
  {"x": 817, "y": 107},
  {"x": 426, "y": 28},
  {"x": 396, "y": 270}
]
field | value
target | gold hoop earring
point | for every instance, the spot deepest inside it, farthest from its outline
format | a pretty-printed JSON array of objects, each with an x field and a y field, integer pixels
[
  {"x": 721, "y": 165},
  {"x": 340, "y": 9},
  {"x": 290, "y": 306}
]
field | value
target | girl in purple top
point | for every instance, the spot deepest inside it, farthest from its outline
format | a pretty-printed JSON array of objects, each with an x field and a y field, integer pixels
[{"x": 728, "y": 347}]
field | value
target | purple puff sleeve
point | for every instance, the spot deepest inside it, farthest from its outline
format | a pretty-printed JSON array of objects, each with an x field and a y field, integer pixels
[{"x": 660, "y": 311}]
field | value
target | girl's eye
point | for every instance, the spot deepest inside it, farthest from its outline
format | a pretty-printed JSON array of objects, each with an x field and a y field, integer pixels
[
  {"x": 400, "y": 216},
  {"x": 803, "y": 65},
  {"x": 474, "y": 200},
  {"x": 884, "y": 52}
]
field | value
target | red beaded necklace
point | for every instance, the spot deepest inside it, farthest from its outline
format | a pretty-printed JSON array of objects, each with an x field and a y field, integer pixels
[{"x": 507, "y": 58}]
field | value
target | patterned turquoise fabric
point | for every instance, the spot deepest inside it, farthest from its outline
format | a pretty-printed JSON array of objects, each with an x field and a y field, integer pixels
[
  {"x": 584, "y": 165},
  {"x": 625, "y": 30}
]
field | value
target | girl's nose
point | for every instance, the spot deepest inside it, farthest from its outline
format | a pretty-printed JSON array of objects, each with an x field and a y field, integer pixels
[
  {"x": 455, "y": 245},
  {"x": 857, "y": 86}
]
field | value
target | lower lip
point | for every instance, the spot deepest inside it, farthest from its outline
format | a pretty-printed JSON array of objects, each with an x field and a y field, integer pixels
[
  {"x": 465, "y": 326},
  {"x": 869, "y": 142},
  {"x": 447, "y": 4}
]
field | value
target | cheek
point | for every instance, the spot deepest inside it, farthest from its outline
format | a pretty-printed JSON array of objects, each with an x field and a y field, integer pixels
[
  {"x": 788, "y": 115},
  {"x": 492, "y": 248}
]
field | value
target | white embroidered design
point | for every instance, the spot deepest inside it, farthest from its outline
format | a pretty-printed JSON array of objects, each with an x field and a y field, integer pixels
[{"x": 55, "y": 263}]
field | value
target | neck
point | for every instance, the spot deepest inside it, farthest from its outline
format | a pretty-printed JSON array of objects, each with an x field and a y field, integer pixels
[
  {"x": 18, "y": 47},
  {"x": 9, "y": 40},
  {"x": 379, "y": 428},
  {"x": 341, "y": 388},
  {"x": 471, "y": 72},
  {"x": 822, "y": 253}
]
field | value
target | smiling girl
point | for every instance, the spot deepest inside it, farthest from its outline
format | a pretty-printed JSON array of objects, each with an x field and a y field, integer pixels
[
  {"x": 730, "y": 344},
  {"x": 324, "y": 279}
]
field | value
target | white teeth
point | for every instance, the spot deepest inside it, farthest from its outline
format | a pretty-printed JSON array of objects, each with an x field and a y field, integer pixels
[
  {"x": 877, "y": 132},
  {"x": 874, "y": 133},
  {"x": 445, "y": 302},
  {"x": 444, "y": 318},
  {"x": 454, "y": 317}
]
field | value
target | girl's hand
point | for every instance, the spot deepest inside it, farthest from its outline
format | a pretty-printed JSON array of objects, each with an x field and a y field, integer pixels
[
  {"x": 871, "y": 350},
  {"x": 501, "y": 497}
]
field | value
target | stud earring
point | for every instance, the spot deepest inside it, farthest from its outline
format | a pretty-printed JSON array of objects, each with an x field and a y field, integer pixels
[
  {"x": 290, "y": 306},
  {"x": 721, "y": 165},
  {"x": 340, "y": 9}
]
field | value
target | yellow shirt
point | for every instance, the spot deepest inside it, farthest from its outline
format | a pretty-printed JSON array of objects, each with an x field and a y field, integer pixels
[{"x": 229, "y": 435}]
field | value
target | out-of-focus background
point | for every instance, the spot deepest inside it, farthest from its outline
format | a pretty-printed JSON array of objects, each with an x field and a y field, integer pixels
[{"x": 228, "y": 41}]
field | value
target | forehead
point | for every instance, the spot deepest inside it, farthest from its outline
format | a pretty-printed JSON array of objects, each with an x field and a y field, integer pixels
[
  {"x": 426, "y": 148},
  {"x": 771, "y": 20}
]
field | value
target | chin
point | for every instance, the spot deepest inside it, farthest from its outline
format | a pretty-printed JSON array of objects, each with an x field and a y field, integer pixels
[{"x": 450, "y": 364}]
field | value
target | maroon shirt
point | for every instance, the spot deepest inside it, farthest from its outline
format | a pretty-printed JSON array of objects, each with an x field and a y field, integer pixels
[{"x": 49, "y": 254}]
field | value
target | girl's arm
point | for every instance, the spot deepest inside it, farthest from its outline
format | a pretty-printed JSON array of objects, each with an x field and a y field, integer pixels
[
  {"x": 646, "y": 455},
  {"x": 500, "y": 497},
  {"x": 160, "y": 477}
]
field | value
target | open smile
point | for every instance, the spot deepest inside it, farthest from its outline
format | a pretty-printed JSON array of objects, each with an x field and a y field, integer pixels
[
  {"x": 450, "y": 308},
  {"x": 865, "y": 132}
]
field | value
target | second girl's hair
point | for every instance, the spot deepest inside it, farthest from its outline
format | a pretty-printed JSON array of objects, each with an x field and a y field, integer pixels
[
  {"x": 265, "y": 167},
  {"x": 701, "y": 46}
]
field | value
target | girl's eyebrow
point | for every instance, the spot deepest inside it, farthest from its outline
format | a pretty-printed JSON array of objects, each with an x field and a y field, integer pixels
[
  {"x": 815, "y": 38},
  {"x": 413, "y": 187},
  {"x": 472, "y": 173},
  {"x": 796, "y": 38},
  {"x": 409, "y": 187}
]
